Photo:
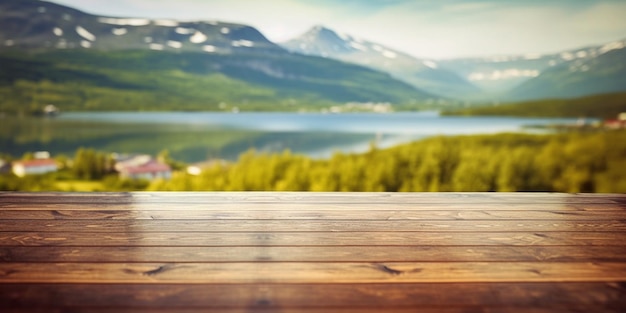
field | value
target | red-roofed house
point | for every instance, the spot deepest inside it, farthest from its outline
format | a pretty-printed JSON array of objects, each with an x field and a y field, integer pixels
[
  {"x": 149, "y": 170},
  {"x": 34, "y": 167}
]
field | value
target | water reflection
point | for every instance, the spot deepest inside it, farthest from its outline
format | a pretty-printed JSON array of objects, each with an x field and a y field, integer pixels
[{"x": 197, "y": 136}]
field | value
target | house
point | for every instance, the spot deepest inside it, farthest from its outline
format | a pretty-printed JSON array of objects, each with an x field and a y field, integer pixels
[
  {"x": 34, "y": 167},
  {"x": 149, "y": 171},
  {"x": 142, "y": 167},
  {"x": 619, "y": 123},
  {"x": 5, "y": 167},
  {"x": 615, "y": 124}
]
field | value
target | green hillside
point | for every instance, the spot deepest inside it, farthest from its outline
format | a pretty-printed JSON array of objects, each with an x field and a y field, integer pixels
[
  {"x": 154, "y": 80},
  {"x": 599, "y": 106}
]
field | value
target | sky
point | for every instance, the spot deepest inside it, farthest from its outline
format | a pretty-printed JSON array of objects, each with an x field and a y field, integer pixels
[{"x": 438, "y": 29}]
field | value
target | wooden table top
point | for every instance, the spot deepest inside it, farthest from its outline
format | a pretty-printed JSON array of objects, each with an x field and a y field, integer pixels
[{"x": 312, "y": 252}]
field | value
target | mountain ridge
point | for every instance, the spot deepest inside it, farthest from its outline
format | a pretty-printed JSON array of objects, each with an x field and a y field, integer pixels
[
  {"x": 603, "y": 72},
  {"x": 34, "y": 26},
  {"x": 88, "y": 51},
  {"x": 40, "y": 25},
  {"x": 422, "y": 73},
  {"x": 500, "y": 74}
]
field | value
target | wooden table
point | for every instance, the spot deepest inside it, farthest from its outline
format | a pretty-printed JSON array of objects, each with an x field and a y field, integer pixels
[{"x": 312, "y": 252}]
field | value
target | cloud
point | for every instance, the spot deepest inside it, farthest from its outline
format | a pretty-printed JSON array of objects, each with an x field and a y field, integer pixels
[{"x": 467, "y": 7}]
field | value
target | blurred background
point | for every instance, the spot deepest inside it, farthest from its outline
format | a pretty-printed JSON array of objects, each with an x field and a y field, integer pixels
[{"x": 300, "y": 95}]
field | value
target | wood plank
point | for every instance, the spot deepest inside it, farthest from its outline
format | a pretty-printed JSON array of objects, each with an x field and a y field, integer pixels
[
  {"x": 149, "y": 226},
  {"x": 329, "y": 238},
  {"x": 296, "y": 213},
  {"x": 311, "y": 197},
  {"x": 379, "y": 254},
  {"x": 312, "y": 252},
  {"x": 471, "y": 297},
  {"x": 303, "y": 206},
  {"x": 386, "y": 309},
  {"x": 312, "y": 273}
]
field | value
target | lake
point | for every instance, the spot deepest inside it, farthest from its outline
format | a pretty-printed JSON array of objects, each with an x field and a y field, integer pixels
[{"x": 197, "y": 136}]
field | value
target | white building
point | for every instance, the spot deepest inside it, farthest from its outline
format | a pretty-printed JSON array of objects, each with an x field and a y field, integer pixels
[{"x": 34, "y": 167}]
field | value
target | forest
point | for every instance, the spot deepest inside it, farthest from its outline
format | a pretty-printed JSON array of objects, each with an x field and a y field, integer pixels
[
  {"x": 605, "y": 106},
  {"x": 565, "y": 162}
]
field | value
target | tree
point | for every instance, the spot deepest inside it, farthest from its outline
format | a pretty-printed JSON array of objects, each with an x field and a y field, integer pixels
[{"x": 90, "y": 164}]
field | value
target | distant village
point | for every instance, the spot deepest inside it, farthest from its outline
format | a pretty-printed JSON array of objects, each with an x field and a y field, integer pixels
[
  {"x": 127, "y": 166},
  {"x": 141, "y": 166}
]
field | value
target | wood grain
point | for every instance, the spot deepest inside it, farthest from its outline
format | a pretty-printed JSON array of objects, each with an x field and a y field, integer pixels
[
  {"x": 473, "y": 296},
  {"x": 295, "y": 213},
  {"x": 330, "y": 238},
  {"x": 377, "y": 254},
  {"x": 159, "y": 226},
  {"x": 311, "y": 197},
  {"x": 312, "y": 273},
  {"x": 312, "y": 252}
]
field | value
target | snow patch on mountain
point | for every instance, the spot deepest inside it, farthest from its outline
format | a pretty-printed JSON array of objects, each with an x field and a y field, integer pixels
[
  {"x": 119, "y": 31},
  {"x": 85, "y": 33},
  {"x": 156, "y": 46},
  {"x": 124, "y": 21},
  {"x": 567, "y": 56},
  {"x": 184, "y": 31},
  {"x": 612, "y": 46},
  {"x": 532, "y": 56},
  {"x": 166, "y": 23},
  {"x": 242, "y": 43},
  {"x": 198, "y": 37},
  {"x": 389, "y": 54},
  {"x": 175, "y": 44},
  {"x": 358, "y": 46},
  {"x": 341, "y": 35},
  {"x": 503, "y": 74},
  {"x": 430, "y": 64}
]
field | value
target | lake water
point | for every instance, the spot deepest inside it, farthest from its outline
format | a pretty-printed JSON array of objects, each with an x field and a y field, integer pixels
[{"x": 197, "y": 136}]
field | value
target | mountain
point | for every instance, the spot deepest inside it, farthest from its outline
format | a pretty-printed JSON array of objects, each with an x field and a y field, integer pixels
[
  {"x": 501, "y": 74},
  {"x": 78, "y": 61},
  {"x": 34, "y": 25},
  {"x": 601, "y": 71},
  {"x": 422, "y": 73}
]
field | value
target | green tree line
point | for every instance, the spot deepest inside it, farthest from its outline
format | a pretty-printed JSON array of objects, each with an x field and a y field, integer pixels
[
  {"x": 606, "y": 106},
  {"x": 572, "y": 162}
]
